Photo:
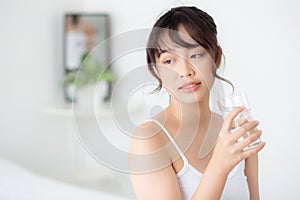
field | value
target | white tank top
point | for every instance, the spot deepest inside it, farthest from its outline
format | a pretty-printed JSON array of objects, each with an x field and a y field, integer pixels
[{"x": 236, "y": 187}]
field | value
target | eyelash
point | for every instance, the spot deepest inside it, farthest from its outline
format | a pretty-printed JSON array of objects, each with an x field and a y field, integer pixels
[
  {"x": 167, "y": 61},
  {"x": 194, "y": 56}
]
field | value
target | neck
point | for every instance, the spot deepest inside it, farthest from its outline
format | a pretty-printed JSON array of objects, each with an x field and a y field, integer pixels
[{"x": 190, "y": 113}]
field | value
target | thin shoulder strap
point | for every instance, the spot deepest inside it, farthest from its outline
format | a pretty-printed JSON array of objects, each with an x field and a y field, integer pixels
[{"x": 171, "y": 139}]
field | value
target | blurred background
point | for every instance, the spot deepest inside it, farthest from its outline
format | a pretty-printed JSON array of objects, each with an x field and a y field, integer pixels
[{"x": 260, "y": 41}]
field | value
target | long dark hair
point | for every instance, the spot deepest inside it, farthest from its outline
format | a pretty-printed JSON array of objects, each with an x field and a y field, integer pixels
[{"x": 199, "y": 25}]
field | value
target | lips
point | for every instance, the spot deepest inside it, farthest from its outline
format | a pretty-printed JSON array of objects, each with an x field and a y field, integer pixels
[{"x": 190, "y": 86}]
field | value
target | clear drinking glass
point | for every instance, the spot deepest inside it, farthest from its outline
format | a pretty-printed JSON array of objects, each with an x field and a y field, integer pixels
[{"x": 227, "y": 104}]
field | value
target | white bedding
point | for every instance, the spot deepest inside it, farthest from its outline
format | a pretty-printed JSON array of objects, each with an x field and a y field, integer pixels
[{"x": 17, "y": 183}]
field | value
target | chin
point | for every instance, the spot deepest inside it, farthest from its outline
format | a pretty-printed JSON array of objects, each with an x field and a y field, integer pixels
[{"x": 195, "y": 97}]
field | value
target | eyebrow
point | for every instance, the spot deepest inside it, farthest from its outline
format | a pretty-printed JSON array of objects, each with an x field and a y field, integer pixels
[
  {"x": 193, "y": 46},
  {"x": 162, "y": 51}
]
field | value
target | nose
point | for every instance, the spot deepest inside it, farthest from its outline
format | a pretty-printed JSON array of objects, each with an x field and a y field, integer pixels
[{"x": 186, "y": 69}]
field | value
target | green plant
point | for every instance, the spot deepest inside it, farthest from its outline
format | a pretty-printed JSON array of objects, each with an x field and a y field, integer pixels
[{"x": 90, "y": 72}]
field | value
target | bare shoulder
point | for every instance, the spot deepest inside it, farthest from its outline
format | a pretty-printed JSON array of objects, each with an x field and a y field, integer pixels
[
  {"x": 147, "y": 137},
  {"x": 147, "y": 148},
  {"x": 152, "y": 174}
]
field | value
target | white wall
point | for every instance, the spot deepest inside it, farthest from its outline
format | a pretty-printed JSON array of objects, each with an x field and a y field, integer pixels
[
  {"x": 259, "y": 39},
  {"x": 31, "y": 74}
]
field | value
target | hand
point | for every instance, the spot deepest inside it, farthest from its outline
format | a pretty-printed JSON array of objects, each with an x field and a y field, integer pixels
[{"x": 228, "y": 151}]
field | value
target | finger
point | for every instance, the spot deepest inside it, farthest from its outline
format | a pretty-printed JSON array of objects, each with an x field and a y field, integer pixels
[
  {"x": 230, "y": 117},
  {"x": 243, "y": 130},
  {"x": 252, "y": 151},
  {"x": 239, "y": 122},
  {"x": 248, "y": 140},
  {"x": 252, "y": 131}
]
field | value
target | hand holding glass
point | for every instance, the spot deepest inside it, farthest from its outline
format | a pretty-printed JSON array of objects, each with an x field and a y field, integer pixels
[{"x": 227, "y": 104}]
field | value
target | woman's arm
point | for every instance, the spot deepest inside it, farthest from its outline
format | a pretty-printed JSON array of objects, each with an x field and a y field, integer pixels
[
  {"x": 227, "y": 154},
  {"x": 251, "y": 171},
  {"x": 159, "y": 185},
  {"x": 212, "y": 183},
  {"x": 148, "y": 154}
]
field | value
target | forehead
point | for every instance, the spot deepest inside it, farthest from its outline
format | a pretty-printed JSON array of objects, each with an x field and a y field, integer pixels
[{"x": 171, "y": 39}]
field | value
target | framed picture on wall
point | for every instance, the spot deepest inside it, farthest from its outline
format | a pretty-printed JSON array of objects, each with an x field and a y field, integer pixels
[{"x": 84, "y": 36}]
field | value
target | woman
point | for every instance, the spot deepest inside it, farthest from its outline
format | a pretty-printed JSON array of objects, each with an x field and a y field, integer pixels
[{"x": 187, "y": 151}]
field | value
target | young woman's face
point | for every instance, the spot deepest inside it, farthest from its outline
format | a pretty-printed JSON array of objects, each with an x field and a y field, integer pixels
[{"x": 186, "y": 73}]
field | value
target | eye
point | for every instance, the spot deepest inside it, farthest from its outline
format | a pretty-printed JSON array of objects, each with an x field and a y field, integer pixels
[
  {"x": 169, "y": 61},
  {"x": 198, "y": 55}
]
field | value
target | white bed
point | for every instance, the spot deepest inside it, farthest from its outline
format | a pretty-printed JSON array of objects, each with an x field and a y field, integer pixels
[{"x": 17, "y": 183}]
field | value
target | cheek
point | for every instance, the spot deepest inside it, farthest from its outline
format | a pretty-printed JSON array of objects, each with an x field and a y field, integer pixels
[
  {"x": 207, "y": 75},
  {"x": 168, "y": 76}
]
